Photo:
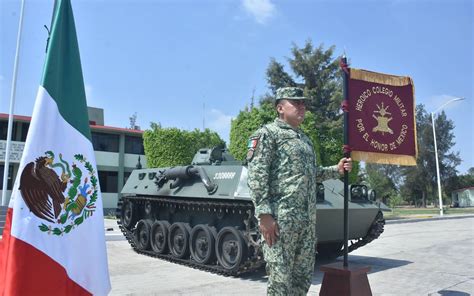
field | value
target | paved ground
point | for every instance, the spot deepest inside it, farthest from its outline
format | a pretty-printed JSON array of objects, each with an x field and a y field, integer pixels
[{"x": 434, "y": 257}]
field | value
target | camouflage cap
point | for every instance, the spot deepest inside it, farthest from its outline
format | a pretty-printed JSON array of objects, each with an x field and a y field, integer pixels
[{"x": 290, "y": 93}]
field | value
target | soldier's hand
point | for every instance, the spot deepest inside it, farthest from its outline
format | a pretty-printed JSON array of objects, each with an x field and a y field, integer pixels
[
  {"x": 269, "y": 229},
  {"x": 344, "y": 164}
]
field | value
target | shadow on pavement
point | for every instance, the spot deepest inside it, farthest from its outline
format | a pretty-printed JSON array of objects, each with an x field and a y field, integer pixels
[
  {"x": 376, "y": 264},
  {"x": 452, "y": 293}
]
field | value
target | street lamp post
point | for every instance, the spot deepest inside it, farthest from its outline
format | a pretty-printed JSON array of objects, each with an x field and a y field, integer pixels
[{"x": 436, "y": 152}]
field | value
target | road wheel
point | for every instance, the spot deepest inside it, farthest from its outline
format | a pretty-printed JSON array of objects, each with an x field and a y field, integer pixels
[
  {"x": 202, "y": 244},
  {"x": 129, "y": 214},
  {"x": 231, "y": 249},
  {"x": 142, "y": 234},
  {"x": 178, "y": 239},
  {"x": 159, "y": 236}
]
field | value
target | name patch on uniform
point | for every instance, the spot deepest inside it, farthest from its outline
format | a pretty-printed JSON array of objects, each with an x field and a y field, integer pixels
[{"x": 251, "y": 145}]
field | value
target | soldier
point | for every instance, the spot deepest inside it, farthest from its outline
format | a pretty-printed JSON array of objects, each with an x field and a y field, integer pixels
[{"x": 282, "y": 177}]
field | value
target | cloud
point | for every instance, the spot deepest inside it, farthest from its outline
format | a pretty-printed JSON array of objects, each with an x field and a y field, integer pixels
[
  {"x": 261, "y": 10},
  {"x": 220, "y": 122}
]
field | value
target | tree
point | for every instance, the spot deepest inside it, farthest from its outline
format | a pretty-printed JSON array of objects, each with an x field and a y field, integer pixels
[
  {"x": 277, "y": 77},
  {"x": 420, "y": 181},
  {"x": 416, "y": 179},
  {"x": 470, "y": 171},
  {"x": 382, "y": 178},
  {"x": 133, "y": 122},
  {"x": 448, "y": 159}
]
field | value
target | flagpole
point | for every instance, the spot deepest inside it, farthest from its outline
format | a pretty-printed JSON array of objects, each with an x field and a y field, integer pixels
[
  {"x": 347, "y": 154},
  {"x": 344, "y": 279},
  {"x": 12, "y": 104}
]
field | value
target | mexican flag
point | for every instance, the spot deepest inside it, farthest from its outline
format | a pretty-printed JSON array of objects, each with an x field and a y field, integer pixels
[{"x": 54, "y": 241}]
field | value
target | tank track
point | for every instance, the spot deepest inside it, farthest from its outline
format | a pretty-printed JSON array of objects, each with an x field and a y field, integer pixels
[
  {"x": 374, "y": 232},
  {"x": 253, "y": 263}
]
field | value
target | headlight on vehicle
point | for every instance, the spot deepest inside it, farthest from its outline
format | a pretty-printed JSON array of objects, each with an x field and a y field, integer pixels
[{"x": 359, "y": 193}]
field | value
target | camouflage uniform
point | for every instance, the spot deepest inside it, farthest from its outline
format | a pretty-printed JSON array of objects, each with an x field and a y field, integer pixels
[{"x": 282, "y": 178}]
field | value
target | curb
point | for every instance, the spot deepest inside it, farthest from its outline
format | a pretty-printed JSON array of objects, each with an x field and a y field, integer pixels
[
  {"x": 449, "y": 217},
  {"x": 111, "y": 231},
  {"x": 110, "y": 237}
]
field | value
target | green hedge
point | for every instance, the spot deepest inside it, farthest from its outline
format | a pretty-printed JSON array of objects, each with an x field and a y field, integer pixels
[{"x": 166, "y": 147}]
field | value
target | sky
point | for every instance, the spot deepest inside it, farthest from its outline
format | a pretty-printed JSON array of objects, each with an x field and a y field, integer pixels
[{"x": 194, "y": 64}]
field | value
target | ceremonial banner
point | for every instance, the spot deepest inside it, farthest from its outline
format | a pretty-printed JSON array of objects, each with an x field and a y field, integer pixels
[
  {"x": 54, "y": 241},
  {"x": 382, "y": 126}
]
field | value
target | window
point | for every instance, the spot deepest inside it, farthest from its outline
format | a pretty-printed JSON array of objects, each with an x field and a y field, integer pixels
[
  {"x": 10, "y": 177},
  {"x": 108, "y": 181},
  {"x": 4, "y": 130},
  {"x": 134, "y": 145},
  {"x": 105, "y": 142},
  {"x": 24, "y": 131},
  {"x": 126, "y": 175}
]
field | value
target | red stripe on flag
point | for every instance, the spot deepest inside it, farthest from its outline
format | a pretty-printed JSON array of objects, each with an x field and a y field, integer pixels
[
  {"x": 4, "y": 246},
  {"x": 28, "y": 271}
]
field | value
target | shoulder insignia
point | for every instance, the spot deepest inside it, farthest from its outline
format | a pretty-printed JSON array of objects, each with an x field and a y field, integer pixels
[
  {"x": 251, "y": 146},
  {"x": 253, "y": 142}
]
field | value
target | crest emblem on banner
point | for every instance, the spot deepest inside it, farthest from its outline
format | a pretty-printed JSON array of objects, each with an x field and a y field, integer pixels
[
  {"x": 59, "y": 192},
  {"x": 382, "y": 120}
]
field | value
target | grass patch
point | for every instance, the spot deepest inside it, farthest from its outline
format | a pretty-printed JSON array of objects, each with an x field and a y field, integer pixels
[{"x": 409, "y": 212}]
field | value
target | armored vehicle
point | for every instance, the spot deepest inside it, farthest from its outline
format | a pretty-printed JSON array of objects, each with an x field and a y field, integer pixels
[{"x": 201, "y": 215}]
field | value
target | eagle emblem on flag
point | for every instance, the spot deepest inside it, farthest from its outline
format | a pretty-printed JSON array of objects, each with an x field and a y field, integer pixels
[{"x": 59, "y": 192}]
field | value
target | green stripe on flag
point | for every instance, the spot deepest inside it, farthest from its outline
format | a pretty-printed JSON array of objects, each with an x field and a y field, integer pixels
[{"x": 62, "y": 76}]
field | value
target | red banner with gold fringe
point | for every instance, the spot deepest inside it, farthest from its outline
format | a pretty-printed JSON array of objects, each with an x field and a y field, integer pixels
[{"x": 382, "y": 126}]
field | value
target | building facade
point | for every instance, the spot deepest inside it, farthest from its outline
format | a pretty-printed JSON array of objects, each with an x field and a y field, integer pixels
[
  {"x": 463, "y": 197},
  {"x": 118, "y": 152}
]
